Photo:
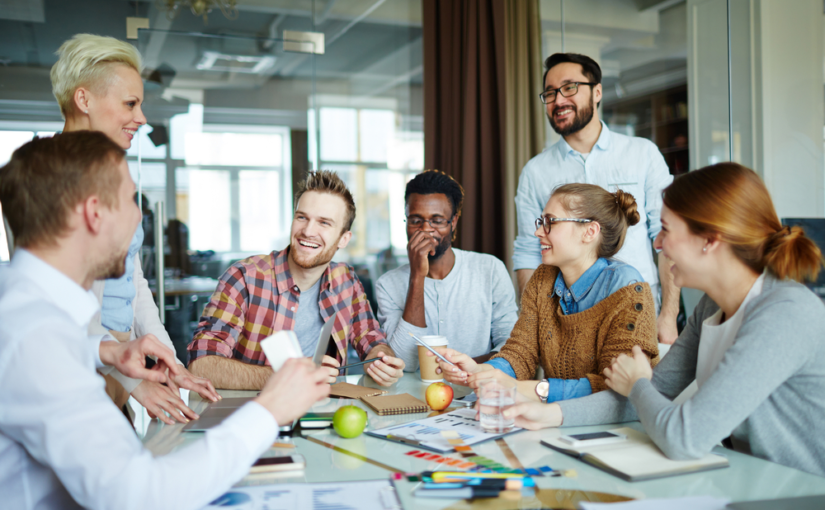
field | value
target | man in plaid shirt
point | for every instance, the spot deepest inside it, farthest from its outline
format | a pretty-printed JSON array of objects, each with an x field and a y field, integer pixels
[{"x": 299, "y": 289}]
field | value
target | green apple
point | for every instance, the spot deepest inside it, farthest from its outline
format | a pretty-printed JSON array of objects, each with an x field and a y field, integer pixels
[
  {"x": 439, "y": 396},
  {"x": 349, "y": 421}
]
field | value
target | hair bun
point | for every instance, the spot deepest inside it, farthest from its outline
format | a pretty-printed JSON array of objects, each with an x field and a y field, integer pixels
[
  {"x": 628, "y": 206},
  {"x": 790, "y": 253}
]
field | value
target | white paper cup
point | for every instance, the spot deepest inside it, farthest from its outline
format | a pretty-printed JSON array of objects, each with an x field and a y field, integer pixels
[{"x": 428, "y": 364}]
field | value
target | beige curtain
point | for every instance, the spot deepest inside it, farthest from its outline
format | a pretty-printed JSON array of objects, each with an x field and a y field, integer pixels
[{"x": 524, "y": 117}]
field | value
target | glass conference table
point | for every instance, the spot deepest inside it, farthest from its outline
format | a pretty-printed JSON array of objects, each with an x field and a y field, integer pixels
[{"x": 330, "y": 458}]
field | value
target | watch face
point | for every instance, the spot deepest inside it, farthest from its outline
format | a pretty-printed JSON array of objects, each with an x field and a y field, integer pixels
[{"x": 543, "y": 388}]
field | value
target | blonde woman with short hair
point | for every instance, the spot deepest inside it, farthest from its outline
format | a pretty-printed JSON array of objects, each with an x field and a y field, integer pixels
[{"x": 97, "y": 83}]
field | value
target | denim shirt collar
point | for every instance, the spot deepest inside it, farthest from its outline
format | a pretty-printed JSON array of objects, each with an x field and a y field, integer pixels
[
  {"x": 584, "y": 284},
  {"x": 602, "y": 143}
]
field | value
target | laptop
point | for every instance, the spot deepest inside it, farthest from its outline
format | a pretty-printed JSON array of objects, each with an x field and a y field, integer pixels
[{"x": 216, "y": 412}]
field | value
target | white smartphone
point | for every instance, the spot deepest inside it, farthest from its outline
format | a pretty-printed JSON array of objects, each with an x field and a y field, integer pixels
[
  {"x": 593, "y": 438},
  {"x": 280, "y": 347},
  {"x": 282, "y": 463}
]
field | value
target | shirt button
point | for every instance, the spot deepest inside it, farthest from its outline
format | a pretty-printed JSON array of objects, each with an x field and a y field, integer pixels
[
  {"x": 441, "y": 322},
  {"x": 128, "y": 278},
  {"x": 293, "y": 308}
]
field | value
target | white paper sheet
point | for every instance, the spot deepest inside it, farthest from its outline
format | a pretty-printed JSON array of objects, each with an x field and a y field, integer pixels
[
  {"x": 369, "y": 495},
  {"x": 428, "y": 430},
  {"x": 691, "y": 503}
]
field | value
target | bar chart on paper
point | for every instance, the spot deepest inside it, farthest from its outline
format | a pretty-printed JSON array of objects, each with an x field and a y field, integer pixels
[
  {"x": 370, "y": 495},
  {"x": 428, "y": 431}
]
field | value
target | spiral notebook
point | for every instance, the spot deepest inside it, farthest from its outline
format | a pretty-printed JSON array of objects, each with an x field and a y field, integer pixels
[
  {"x": 347, "y": 390},
  {"x": 395, "y": 404}
]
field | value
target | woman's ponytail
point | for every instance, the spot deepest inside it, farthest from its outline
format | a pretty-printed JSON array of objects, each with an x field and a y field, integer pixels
[
  {"x": 789, "y": 253},
  {"x": 730, "y": 201}
]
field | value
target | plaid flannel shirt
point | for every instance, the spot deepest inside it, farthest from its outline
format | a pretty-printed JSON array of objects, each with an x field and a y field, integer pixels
[{"x": 257, "y": 297}]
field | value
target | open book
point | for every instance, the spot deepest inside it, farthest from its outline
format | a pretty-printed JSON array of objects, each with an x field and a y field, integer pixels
[{"x": 635, "y": 459}]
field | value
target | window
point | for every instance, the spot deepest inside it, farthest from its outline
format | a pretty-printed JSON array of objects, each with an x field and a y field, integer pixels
[
  {"x": 376, "y": 160},
  {"x": 234, "y": 193}
]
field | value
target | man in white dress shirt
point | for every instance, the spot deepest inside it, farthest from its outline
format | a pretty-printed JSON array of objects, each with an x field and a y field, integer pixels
[
  {"x": 63, "y": 444},
  {"x": 589, "y": 152}
]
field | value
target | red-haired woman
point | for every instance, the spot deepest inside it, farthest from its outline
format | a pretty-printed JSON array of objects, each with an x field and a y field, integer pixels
[{"x": 753, "y": 345}]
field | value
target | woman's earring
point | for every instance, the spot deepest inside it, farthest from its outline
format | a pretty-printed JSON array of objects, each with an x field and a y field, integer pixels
[
  {"x": 86, "y": 112},
  {"x": 705, "y": 249}
]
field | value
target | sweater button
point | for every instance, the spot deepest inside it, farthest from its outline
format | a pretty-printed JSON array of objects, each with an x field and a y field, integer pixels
[
  {"x": 631, "y": 327},
  {"x": 638, "y": 288},
  {"x": 638, "y": 307}
]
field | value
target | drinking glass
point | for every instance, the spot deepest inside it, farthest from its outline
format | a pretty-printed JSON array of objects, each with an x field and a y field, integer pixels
[{"x": 493, "y": 398}]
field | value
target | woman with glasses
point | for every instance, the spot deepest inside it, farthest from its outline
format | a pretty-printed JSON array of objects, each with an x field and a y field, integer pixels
[
  {"x": 749, "y": 367},
  {"x": 580, "y": 309},
  {"x": 97, "y": 84}
]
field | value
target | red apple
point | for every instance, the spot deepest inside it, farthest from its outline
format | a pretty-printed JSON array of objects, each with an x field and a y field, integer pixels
[{"x": 439, "y": 396}]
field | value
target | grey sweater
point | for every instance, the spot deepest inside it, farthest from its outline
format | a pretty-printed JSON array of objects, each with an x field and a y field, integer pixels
[
  {"x": 474, "y": 306},
  {"x": 768, "y": 391}
]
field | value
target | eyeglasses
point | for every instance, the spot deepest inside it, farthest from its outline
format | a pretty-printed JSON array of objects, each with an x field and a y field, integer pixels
[
  {"x": 566, "y": 90},
  {"x": 546, "y": 221},
  {"x": 437, "y": 223}
]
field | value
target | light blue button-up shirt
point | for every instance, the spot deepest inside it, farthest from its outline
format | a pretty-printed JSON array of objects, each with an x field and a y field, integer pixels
[
  {"x": 631, "y": 164},
  {"x": 116, "y": 311},
  {"x": 602, "y": 279}
]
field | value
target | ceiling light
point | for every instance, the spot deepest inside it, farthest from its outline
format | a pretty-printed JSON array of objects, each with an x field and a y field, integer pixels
[{"x": 198, "y": 7}]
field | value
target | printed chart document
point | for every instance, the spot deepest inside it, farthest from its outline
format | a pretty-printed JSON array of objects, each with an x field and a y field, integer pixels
[
  {"x": 637, "y": 458},
  {"x": 428, "y": 431},
  {"x": 368, "y": 495}
]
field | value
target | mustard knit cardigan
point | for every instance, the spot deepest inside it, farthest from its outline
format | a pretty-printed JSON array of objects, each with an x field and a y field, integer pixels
[{"x": 581, "y": 344}]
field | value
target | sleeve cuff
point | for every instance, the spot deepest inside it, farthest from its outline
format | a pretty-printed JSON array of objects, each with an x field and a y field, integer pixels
[
  {"x": 555, "y": 391},
  {"x": 96, "y": 341},
  {"x": 503, "y": 365},
  {"x": 253, "y": 425}
]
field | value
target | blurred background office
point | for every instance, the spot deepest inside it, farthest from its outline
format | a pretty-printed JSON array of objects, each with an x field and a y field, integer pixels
[{"x": 239, "y": 109}]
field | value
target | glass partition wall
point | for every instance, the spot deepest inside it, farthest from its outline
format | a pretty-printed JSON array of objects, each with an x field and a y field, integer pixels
[
  {"x": 710, "y": 81},
  {"x": 235, "y": 120}
]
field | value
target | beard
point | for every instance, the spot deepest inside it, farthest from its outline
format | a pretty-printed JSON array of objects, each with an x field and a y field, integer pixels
[
  {"x": 112, "y": 268},
  {"x": 581, "y": 119},
  {"x": 313, "y": 261},
  {"x": 442, "y": 247}
]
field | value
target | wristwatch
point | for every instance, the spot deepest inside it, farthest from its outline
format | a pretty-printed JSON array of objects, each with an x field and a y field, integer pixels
[{"x": 542, "y": 389}]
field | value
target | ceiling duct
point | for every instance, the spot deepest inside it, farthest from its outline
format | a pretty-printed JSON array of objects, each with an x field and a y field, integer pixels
[
  {"x": 23, "y": 10},
  {"x": 214, "y": 61}
]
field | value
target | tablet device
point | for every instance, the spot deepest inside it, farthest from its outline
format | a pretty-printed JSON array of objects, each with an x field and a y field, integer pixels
[{"x": 323, "y": 342}]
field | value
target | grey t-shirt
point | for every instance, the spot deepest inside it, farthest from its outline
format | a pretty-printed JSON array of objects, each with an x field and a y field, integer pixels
[
  {"x": 474, "y": 306},
  {"x": 308, "y": 320}
]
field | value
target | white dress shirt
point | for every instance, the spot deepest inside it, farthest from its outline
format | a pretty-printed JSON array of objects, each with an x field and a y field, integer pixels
[
  {"x": 629, "y": 163},
  {"x": 62, "y": 442}
]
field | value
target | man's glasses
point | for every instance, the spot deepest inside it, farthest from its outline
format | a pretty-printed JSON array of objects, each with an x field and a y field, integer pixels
[
  {"x": 566, "y": 90},
  {"x": 546, "y": 222},
  {"x": 437, "y": 223}
]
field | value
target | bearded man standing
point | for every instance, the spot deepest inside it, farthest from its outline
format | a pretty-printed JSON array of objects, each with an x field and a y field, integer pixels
[
  {"x": 589, "y": 152},
  {"x": 299, "y": 289},
  {"x": 463, "y": 295}
]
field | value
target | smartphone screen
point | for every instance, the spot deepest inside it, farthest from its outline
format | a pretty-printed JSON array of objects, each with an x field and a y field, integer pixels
[
  {"x": 271, "y": 461},
  {"x": 593, "y": 435}
]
